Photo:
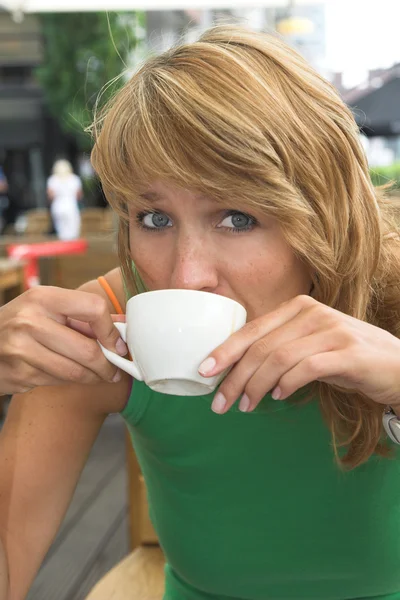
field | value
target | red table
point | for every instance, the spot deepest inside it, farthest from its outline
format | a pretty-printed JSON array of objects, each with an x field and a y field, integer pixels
[{"x": 31, "y": 252}]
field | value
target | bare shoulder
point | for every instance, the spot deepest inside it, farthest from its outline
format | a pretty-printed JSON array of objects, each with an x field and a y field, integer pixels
[{"x": 114, "y": 280}]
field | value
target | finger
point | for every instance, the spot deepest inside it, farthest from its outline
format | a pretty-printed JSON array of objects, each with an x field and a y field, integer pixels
[
  {"x": 86, "y": 329},
  {"x": 37, "y": 359},
  {"x": 81, "y": 327},
  {"x": 82, "y": 306},
  {"x": 70, "y": 344},
  {"x": 318, "y": 367},
  {"x": 238, "y": 343},
  {"x": 266, "y": 377},
  {"x": 280, "y": 362},
  {"x": 301, "y": 326}
]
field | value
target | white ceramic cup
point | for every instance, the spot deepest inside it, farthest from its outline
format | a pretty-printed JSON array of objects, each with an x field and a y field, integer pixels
[{"x": 170, "y": 332}]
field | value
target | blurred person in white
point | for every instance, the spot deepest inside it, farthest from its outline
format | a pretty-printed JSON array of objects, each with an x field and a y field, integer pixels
[{"x": 64, "y": 191}]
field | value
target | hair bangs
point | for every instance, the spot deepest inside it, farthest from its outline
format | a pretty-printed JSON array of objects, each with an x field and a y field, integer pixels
[{"x": 170, "y": 125}]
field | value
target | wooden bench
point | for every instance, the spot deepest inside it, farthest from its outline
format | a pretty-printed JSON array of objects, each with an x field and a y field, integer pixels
[
  {"x": 96, "y": 220},
  {"x": 11, "y": 279},
  {"x": 141, "y": 531},
  {"x": 38, "y": 221},
  {"x": 140, "y": 576},
  {"x": 72, "y": 271}
]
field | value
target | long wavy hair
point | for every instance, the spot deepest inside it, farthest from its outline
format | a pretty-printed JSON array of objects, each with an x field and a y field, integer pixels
[{"x": 240, "y": 114}]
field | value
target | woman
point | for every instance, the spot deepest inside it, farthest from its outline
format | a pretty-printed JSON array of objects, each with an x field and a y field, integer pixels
[
  {"x": 64, "y": 191},
  {"x": 236, "y": 169}
]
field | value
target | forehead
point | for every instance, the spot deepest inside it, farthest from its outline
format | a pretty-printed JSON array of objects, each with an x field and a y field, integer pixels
[{"x": 159, "y": 191}]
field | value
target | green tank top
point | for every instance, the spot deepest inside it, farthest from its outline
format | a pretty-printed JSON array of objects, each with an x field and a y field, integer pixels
[{"x": 251, "y": 506}]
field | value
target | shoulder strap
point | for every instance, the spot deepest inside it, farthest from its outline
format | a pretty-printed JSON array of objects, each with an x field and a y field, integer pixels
[{"x": 112, "y": 297}]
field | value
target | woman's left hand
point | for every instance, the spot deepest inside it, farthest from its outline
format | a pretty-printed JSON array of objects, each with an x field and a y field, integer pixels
[{"x": 299, "y": 342}]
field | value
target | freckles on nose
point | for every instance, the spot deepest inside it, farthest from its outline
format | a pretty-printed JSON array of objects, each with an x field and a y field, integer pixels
[
  {"x": 195, "y": 269},
  {"x": 185, "y": 268}
]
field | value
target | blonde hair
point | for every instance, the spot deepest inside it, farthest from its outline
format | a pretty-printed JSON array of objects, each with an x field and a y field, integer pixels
[
  {"x": 240, "y": 114},
  {"x": 62, "y": 168}
]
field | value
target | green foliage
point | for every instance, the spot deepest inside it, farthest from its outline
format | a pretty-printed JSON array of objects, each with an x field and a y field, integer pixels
[
  {"x": 382, "y": 175},
  {"x": 83, "y": 53}
]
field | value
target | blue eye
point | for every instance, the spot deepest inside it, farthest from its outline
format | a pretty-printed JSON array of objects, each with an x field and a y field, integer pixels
[
  {"x": 154, "y": 220},
  {"x": 238, "y": 221},
  {"x": 234, "y": 221}
]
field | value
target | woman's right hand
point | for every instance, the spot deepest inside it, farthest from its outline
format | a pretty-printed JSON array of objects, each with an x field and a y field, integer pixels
[{"x": 48, "y": 336}]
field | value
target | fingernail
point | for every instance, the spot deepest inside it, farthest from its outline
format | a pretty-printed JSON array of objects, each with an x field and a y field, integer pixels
[
  {"x": 207, "y": 365},
  {"x": 121, "y": 347},
  {"x": 244, "y": 403},
  {"x": 117, "y": 376},
  {"x": 276, "y": 393},
  {"x": 219, "y": 403}
]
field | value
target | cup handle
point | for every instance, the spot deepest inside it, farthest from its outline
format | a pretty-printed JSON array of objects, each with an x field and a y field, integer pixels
[{"x": 123, "y": 363}]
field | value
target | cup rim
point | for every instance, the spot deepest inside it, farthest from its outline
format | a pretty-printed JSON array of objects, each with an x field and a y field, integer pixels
[{"x": 185, "y": 291}]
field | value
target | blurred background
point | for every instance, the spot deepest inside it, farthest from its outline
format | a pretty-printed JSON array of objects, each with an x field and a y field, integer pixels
[{"x": 52, "y": 68}]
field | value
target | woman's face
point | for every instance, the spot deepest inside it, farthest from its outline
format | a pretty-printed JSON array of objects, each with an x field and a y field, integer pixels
[{"x": 191, "y": 242}]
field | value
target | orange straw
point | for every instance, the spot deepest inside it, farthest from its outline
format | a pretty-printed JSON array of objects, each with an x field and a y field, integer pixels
[{"x": 113, "y": 298}]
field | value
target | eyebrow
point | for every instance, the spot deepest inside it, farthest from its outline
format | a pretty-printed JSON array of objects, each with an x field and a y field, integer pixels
[
  {"x": 156, "y": 197},
  {"x": 152, "y": 196}
]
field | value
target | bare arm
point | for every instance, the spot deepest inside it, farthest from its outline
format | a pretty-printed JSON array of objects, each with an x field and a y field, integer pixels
[
  {"x": 3, "y": 573},
  {"x": 50, "y": 195},
  {"x": 44, "y": 445}
]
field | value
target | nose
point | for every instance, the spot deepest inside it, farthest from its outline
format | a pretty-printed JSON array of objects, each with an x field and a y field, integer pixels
[{"x": 194, "y": 266}]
